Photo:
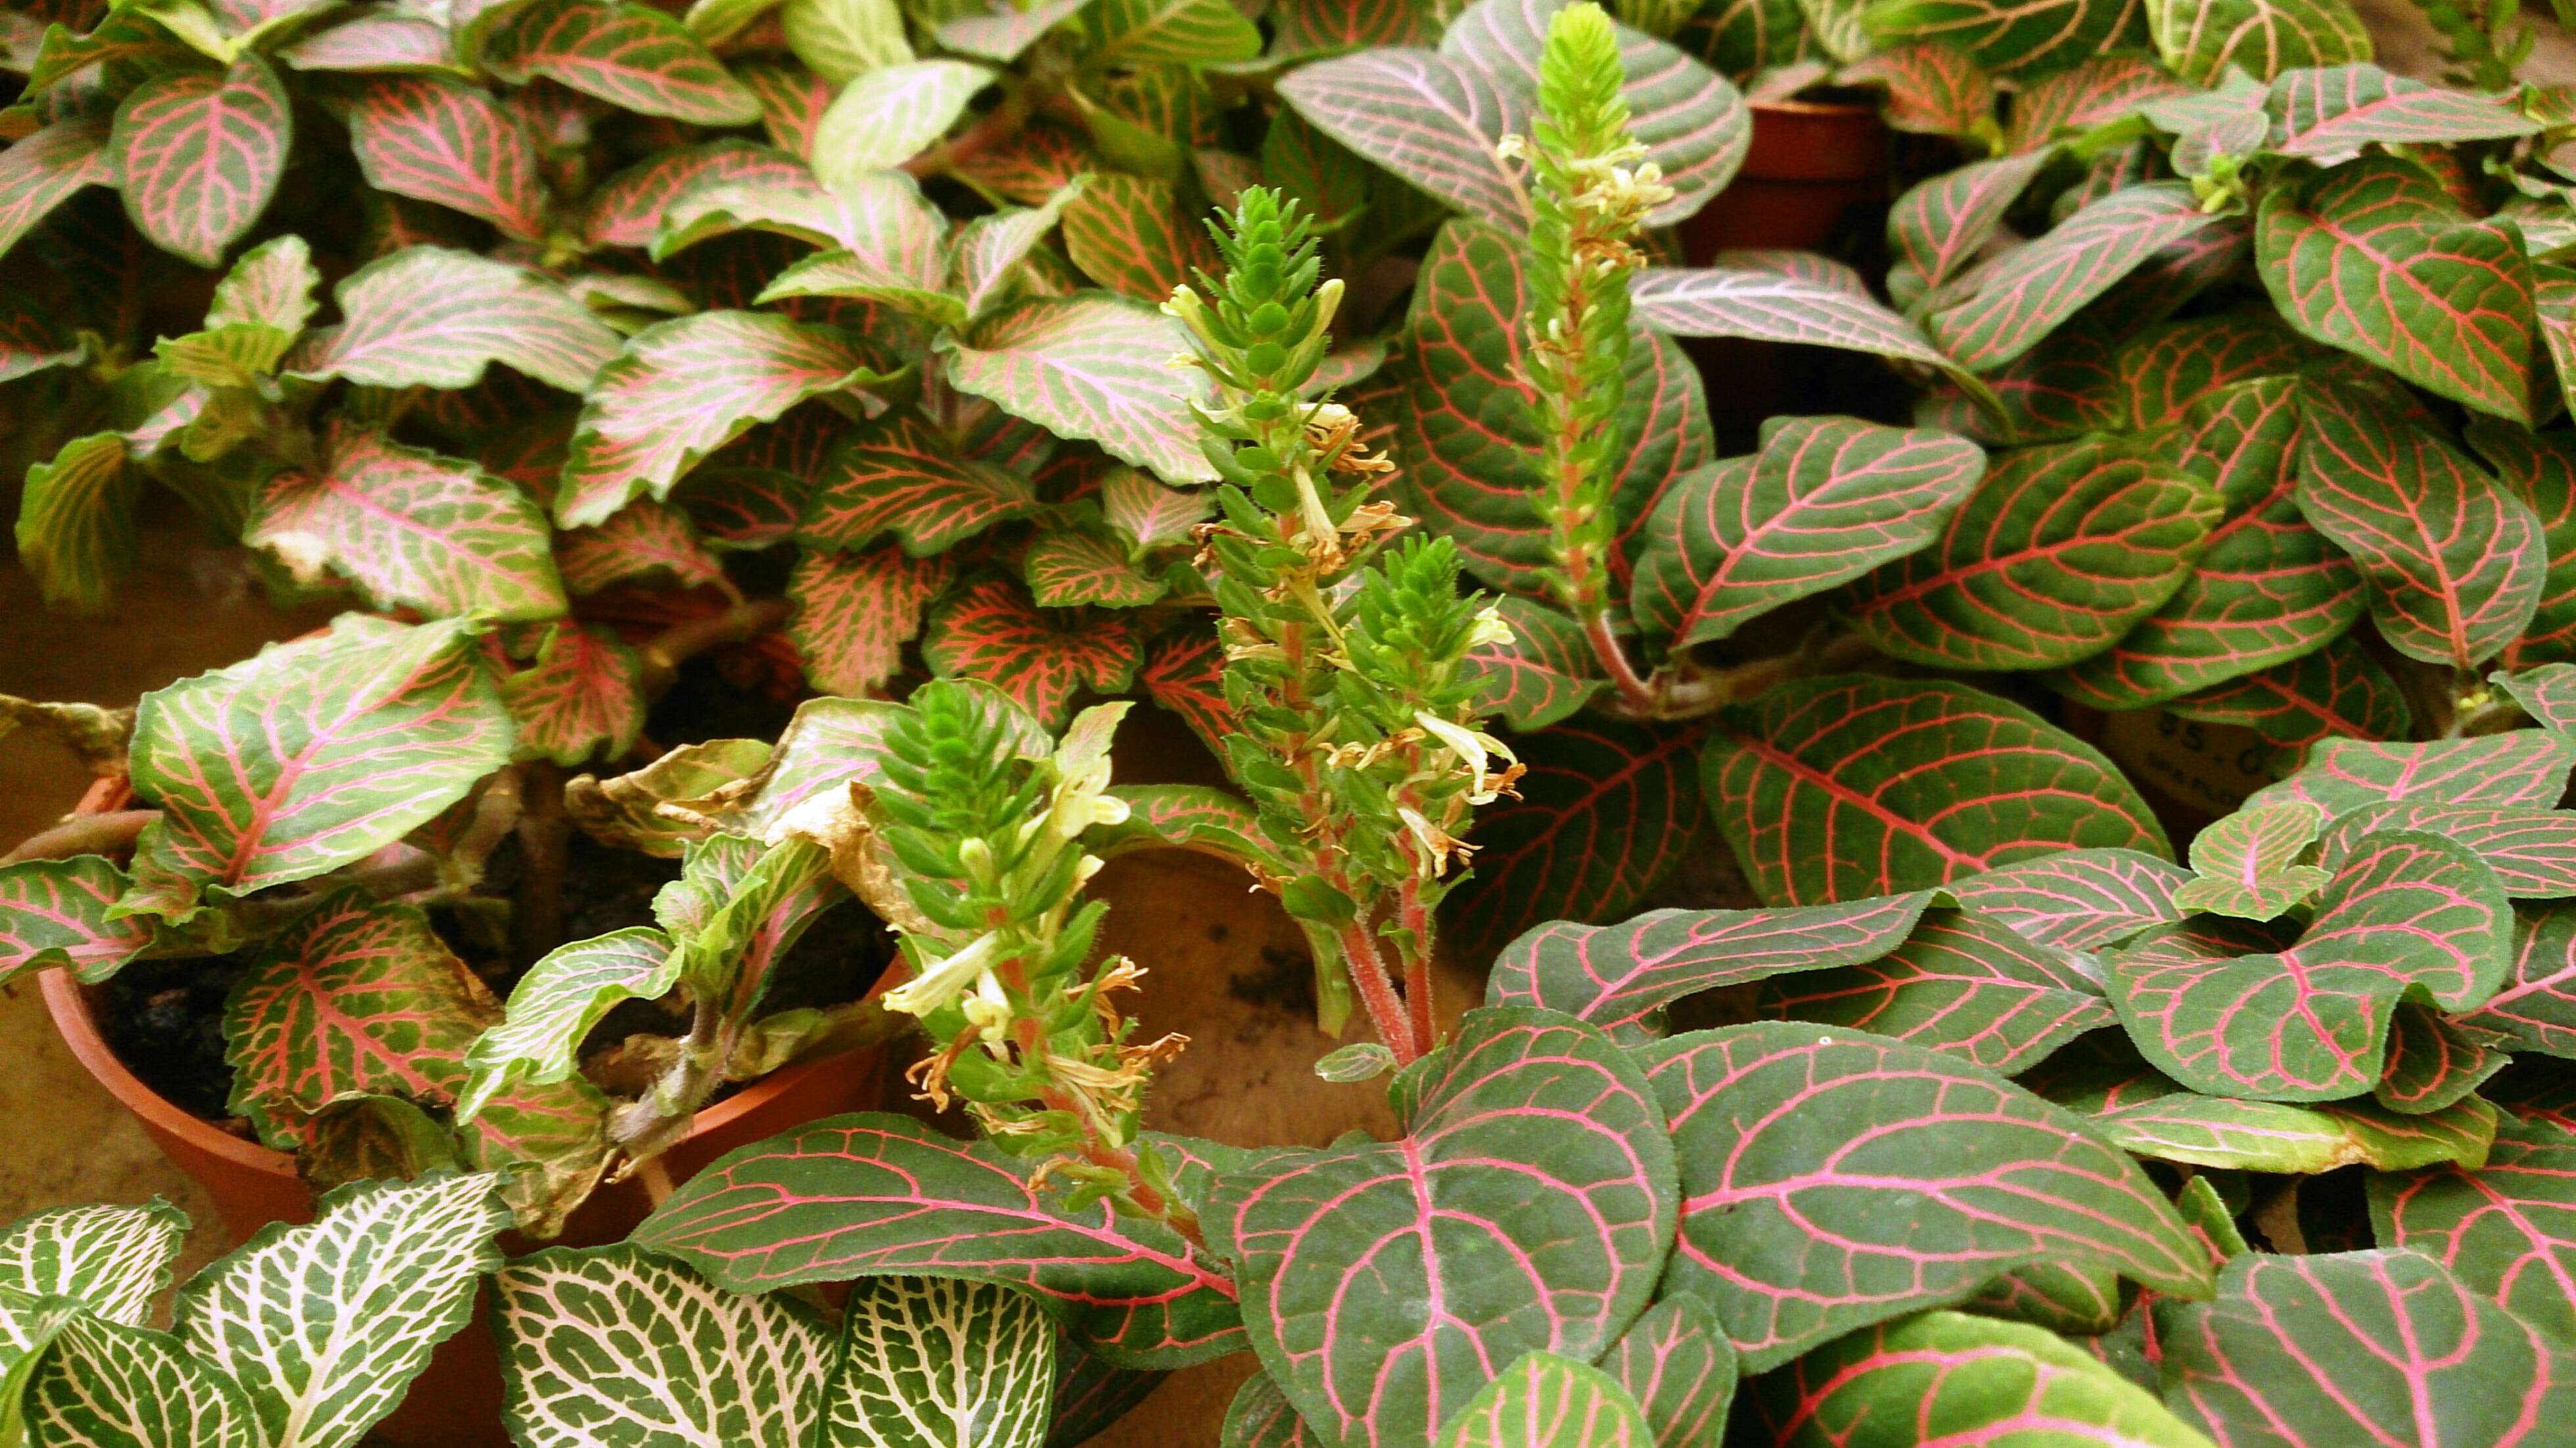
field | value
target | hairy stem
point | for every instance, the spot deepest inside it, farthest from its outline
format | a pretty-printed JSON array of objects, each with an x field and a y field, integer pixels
[
  {"x": 1377, "y": 992},
  {"x": 90, "y": 834}
]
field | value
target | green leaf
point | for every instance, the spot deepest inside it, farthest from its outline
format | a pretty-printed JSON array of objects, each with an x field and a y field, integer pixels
[
  {"x": 1003, "y": 32},
  {"x": 436, "y": 139},
  {"x": 1182, "y": 816},
  {"x": 326, "y": 1325},
  {"x": 1826, "y": 500},
  {"x": 934, "y": 1362},
  {"x": 629, "y": 208},
  {"x": 1960, "y": 983},
  {"x": 271, "y": 285},
  {"x": 1262, "y": 1417},
  {"x": 902, "y": 474},
  {"x": 307, "y": 757},
  {"x": 104, "y": 1384},
  {"x": 682, "y": 389},
  {"x": 2056, "y": 555},
  {"x": 2376, "y": 259},
  {"x": 2455, "y": 562},
  {"x": 2267, "y": 587},
  {"x": 2199, "y": 42},
  {"x": 876, "y": 1194},
  {"x": 1540, "y": 676},
  {"x": 1529, "y": 1206},
  {"x": 856, "y": 611},
  {"x": 1128, "y": 233},
  {"x": 199, "y": 154},
  {"x": 1621, "y": 977},
  {"x": 1093, "y": 367},
  {"x": 2411, "y": 1344},
  {"x": 1462, "y": 429},
  {"x": 44, "y": 170},
  {"x": 357, "y": 998},
  {"x": 1838, "y": 788},
  {"x": 1546, "y": 1401},
  {"x": 2033, "y": 288},
  {"x": 2506, "y": 1228},
  {"x": 643, "y": 542},
  {"x": 2524, "y": 767},
  {"x": 412, "y": 529},
  {"x": 2531, "y": 851},
  {"x": 2247, "y": 863},
  {"x": 113, "y": 1260},
  {"x": 2080, "y": 899},
  {"x": 1940, "y": 227},
  {"x": 2336, "y": 690},
  {"x": 56, "y": 912},
  {"x": 1168, "y": 32},
  {"x": 1676, "y": 1362},
  {"x": 1992, "y": 1177},
  {"x": 841, "y": 40},
  {"x": 1082, "y": 562},
  {"x": 719, "y": 1368},
  {"x": 2032, "y": 38},
  {"x": 1148, "y": 513},
  {"x": 885, "y": 117},
  {"x": 427, "y": 316},
  {"x": 76, "y": 522},
  {"x": 2227, "y": 1134},
  {"x": 1969, "y": 1378},
  {"x": 550, "y": 1146},
  {"x": 2225, "y": 1010},
  {"x": 580, "y": 697},
  {"x": 2540, "y": 469},
  {"x": 631, "y": 56},
  {"x": 555, "y": 1004},
  {"x": 989, "y": 630},
  {"x": 32, "y": 342},
  {"x": 1766, "y": 296},
  {"x": 2329, "y": 114}
]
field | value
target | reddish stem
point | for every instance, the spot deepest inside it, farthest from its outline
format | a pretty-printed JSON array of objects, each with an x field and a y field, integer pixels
[
  {"x": 1634, "y": 690},
  {"x": 1377, "y": 992},
  {"x": 1417, "y": 966},
  {"x": 89, "y": 834}
]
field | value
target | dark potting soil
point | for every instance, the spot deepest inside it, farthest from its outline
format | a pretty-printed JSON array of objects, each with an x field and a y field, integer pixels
[
  {"x": 705, "y": 703},
  {"x": 165, "y": 1018}
]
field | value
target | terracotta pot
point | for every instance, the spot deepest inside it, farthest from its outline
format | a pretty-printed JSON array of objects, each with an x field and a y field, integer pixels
[
  {"x": 456, "y": 1402},
  {"x": 1811, "y": 165}
]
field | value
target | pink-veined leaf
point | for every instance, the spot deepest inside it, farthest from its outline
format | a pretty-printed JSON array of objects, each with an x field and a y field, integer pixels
[
  {"x": 1309, "y": 27},
  {"x": 2079, "y": 899},
  {"x": 887, "y": 115},
  {"x": 900, "y": 475},
  {"x": 199, "y": 154},
  {"x": 308, "y": 756},
  {"x": 1676, "y": 1362},
  {"x": 2540, "y": 469},
  {"x": 990, "y": 631},
  {"x": 54, "y": 912},
  {"x": 1931, "y": 89},
  {"x": 428, "y": 316},
  {"x": 1079, "y": 561},
  {"x": 358, "y": 998},
  {"x": 1462, "y": 428},
  {"x": 1621, "y": 977},
  {"x": 2156, "y": 1119},
  {"x": 2420, "y": 1358},
  {"x": 1839, "y": 788},
  {"x": 1184, "y": 817},
  {"x": 77, "y": 530},
  {"x": 1434, "y": 117},
  {"x": 1149, "y": 513},
  {"x": 411, "y": 529},
  {"x": 631, "y": 56},
  {"x": 2376, "y": 259},
  {"x": 873, "y": 1194},
  {"x": 2536, "y": 1007},
  {"x": 2263, "y": 38},
  {"x": 2532, "y": 851},
  {"x": 553, "y": 1007},
  {"x": 1543, "y": 675},
  {"x": 1546, "y": 1400},
  {"x": 856, "y": 611},
  {"x": 2247, "y": 865},
  {"x": 1260, "y": 1416},
  {"x": 580, "y": 698},
  {"x": 1980, "y": 1379},
  {"x": 2030, "y": 290},
  {"x": 2168, "y": 371},
  {"x": 627, "y": 208},
  {"x": 792, "y": 101},
  {"x": 1001, "y": 32},
  {"x": 2547, "y": 694},
  {"x": 2007, "y": 37},
  {"x": 30, "y": 342},
  {"x": 1605, "y": 812},
  {"x": 2330, "y": 113},
  {"x": 1092, "y": 367},
  {"x": 1029, "y": 167},
  {"x": 2058, "y": 552},
  {"x": 2405, "y": 913},
  {"x": 1128, "y": 234},
  {"x": 1768, "y": 303},
  {"x": 2506, "y": 1228},
  {"x": 2454, "y": 561},
  {"x": 1529, "y": 1205},
  {"x": 644, "y": 541},
  {"x": 42, "y": 171},
  {"x": 1186, "y": 676},
  {"x": 685, "y": 387},
  {"x": 2526, "y": 767},
  {"x": 437, "y": 139},
  {"x": 383, "y": 40},
  {"x": 2335, "y": 690},
  {"x": 1960, "y": 983},
  {"x": 2266, "y": 588},
  {"x": 2434, "y": 1062},
  {"x": 1785, "y": 1228},
  {"x": 742, "y": 509},
  {"x": 2093, "y": 90},
  {"x": 1939, "y": 228}
]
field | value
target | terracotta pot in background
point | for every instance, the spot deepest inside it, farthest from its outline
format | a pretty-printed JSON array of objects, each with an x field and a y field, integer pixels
[
  {"x": 1812, "y": 163},
  {"x": 456, "y": 1401}
]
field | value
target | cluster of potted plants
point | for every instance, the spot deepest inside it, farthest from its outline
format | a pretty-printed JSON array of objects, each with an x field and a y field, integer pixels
[{"x": 758, "y": 451}]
